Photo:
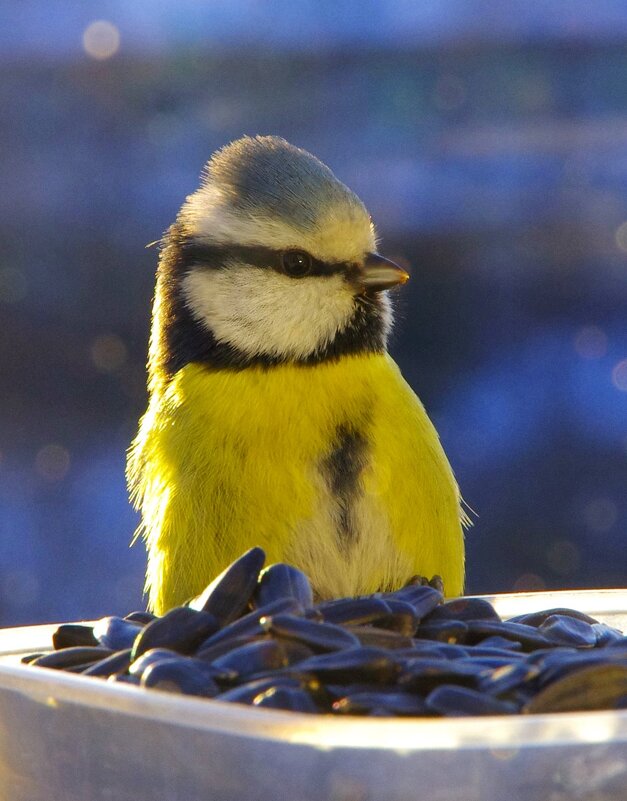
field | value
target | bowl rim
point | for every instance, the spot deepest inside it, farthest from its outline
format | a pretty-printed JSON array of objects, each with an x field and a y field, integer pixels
[{"x": 503, "y": 733}]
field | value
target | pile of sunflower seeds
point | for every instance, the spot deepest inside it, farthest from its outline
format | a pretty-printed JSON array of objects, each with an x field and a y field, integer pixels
[{"x": 256, "y": 637}]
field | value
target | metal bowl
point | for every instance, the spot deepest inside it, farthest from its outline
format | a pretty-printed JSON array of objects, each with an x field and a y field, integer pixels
[{"x": 67, "y": 737}]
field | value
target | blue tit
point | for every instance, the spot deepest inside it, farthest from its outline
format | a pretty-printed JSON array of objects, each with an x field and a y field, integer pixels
[{"x": 276, "y": 416}]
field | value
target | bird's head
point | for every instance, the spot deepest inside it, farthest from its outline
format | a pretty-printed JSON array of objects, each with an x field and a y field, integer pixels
[{"x": 271, "y": 260}]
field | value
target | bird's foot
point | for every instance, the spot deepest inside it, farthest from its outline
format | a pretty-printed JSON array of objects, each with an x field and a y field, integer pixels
[{"x": 422, "y": 581}]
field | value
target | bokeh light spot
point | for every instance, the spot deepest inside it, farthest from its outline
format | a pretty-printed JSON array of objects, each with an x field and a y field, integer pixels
[
  {"x": 591, "y": 342},
  {"x": 619, "y": 376},
  {"x": 101, "y": 40},
  {"x": 621, "y": 237},
  {"x": 52, "y": 462},
  {"x": 529, "y": 582},
  {"x": 563, "y": 557},
  {"x": 108, "y": 353},
  {"x": 600, "y": 515},
  {"x": 13, "y": 285}
]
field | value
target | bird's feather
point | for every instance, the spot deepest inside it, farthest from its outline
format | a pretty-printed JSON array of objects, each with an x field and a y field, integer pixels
[{"x": 229, "y": 459}]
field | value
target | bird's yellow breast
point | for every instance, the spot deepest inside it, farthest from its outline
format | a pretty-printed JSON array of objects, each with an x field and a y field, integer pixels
[{"x": 227, "y": 459}]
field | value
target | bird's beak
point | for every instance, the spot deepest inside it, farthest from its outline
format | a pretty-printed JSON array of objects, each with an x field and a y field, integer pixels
[{"x": 378, "y": 274}]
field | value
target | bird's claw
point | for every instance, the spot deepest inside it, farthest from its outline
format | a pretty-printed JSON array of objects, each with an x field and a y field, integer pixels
[{"x": 422, "y": 581}]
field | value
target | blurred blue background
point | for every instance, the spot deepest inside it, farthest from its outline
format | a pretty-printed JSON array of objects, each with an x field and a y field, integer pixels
[{"x": 488, "y": 139}]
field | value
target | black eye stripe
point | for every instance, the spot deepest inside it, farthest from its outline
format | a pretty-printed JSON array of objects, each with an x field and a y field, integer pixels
[{"x": 265, "y": 258}]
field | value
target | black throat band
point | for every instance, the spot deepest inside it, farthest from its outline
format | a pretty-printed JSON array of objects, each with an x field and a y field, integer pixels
[{"x": 179, "y": 338}]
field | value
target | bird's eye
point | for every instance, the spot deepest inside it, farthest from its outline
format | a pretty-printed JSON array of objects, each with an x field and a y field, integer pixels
[{"x": 296, "y": 263}]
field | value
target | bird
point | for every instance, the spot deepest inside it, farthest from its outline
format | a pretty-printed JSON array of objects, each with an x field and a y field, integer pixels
[{"x": 276, "y": 416}]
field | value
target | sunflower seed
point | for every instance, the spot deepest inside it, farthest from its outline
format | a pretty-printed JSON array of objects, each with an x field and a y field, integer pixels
[
  {"x": 254, "y": 657},
  {"x": 118, "y": 662},
  {"x": 450, "y": 700},
  {"x": 318, "y": 636},
  {"x": 401, "y": 617},
  {"x": 354, "y": 611},
  {"x": 502, "y": 643},
  {"x": 463, "y": 609},
  {"x": 449, "y": 631},
  {"x": 380, "y": 638},
  {"x": 247, "y": 692},
  {"x": 143, "y": 618},
  {"x": 422, "y": 675},
  {"x": 595, "y": 687},
  {"x": 141, "y": 663},
  {"x": 249, "y": 625},
  {"x": 116, "y": 632},
  {"x": 555, "y": 666},
  {"x": 423, "y": 599},
  {"x": 180, "y": 675},
  {"x": 282, "y": 581},
  {"x": 70, "y": 657},
  {"x": 71, "y": 635},
  {"x": 356, "y": 664},
  {"x": 393, "y": 703},
  {"x": 537, "y": 618},
  {"x": 181, "y": 629},
  {"x": 504, "y": 679},
  {"x": 528, "y": 636},
  {"x": 209, "y": 652},
  {"x": 292, "y": 698},
  {"x": 229, "y": 594},
  {"x": 568, "y": 631}
]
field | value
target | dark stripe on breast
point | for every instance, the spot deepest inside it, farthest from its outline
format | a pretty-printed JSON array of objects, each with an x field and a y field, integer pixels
[{"x": 342, "y": 470}]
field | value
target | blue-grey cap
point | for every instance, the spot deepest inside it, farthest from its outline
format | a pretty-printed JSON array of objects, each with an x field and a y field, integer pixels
[{"x": 266, "y": 175}]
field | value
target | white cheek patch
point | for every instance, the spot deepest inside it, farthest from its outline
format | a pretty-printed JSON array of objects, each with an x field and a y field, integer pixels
[{"x": 260, "y": 311}]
